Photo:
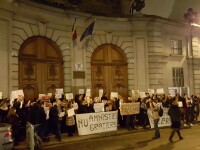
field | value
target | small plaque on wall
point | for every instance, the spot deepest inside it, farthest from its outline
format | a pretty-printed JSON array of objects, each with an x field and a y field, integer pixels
[{"x": 79, "y": 74}]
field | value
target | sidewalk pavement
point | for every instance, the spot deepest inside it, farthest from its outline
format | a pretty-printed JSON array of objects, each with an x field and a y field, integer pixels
[{"x": 76, "y": 137}]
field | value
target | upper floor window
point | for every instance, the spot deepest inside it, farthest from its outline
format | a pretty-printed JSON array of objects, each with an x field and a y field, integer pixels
[
  {"x": 178, "y": 77},
  {"x": 176, "y": 47}
]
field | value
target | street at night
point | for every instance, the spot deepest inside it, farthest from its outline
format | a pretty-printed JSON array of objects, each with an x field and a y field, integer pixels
[{"x": 134, "y": 140}]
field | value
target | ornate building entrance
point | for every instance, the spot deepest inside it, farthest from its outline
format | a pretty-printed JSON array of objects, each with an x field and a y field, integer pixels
[
  {"x": 109, "y": 71},
  {"x": 40, "y": 67}
]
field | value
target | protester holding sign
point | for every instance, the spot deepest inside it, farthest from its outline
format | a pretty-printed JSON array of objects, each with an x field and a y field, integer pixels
[
  {"x": 104, "y": 97},
  {"x": 175, "y": 115},
  {"x": 4, "y": 108},
  {"x": 128, "y": 109},
  {"x": 54, "y": 121},
  {"x": 13, "y": 119},
  {"x": 21, "y": 111},
  {"x": 87, "y": 105},
  {"x": 143, "y": 117},
  {"x": 70, "y": 120},
  {"x": 196, "y": 107},
  {"x": 154, "y": 106},
  {"x": 189, "y": 111},
  {"x": 181, "y": 105}
]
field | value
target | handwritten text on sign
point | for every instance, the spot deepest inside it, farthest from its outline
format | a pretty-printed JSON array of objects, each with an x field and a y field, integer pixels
[
  {"x": 129, "y": 108},
  {"x": 91, "y": 123},
  {"x": 163, "y": 121}
]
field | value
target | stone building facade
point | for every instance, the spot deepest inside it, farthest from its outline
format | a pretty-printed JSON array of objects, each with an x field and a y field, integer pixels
[{"x": 148, "y": 43}]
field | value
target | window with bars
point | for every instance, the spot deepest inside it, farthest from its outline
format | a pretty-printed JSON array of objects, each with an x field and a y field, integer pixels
[
  {"x": 176, "y": 47},
  {"x": 178, "y": 78}
]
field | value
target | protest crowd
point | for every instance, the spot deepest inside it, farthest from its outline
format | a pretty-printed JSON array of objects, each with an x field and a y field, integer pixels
[{"x": 58, "y": 115}]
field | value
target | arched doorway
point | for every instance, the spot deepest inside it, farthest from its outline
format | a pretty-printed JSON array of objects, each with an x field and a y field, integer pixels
[
  {"x": 40, "y": 67},
  {"x": 109, "y": 71}
]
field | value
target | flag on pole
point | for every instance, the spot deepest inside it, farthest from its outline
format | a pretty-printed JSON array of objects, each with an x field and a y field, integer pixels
[
  {"x": 88, "y": 31},
  {"x": 74, "y": 33}
]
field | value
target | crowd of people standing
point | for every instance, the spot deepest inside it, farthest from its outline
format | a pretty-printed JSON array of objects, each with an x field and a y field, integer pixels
[{"x": 51, "y": 114}]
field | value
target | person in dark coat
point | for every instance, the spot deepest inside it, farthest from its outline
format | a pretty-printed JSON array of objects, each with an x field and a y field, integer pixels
[
  {"x": 13, "y": 119},
  {"x": 4, "y": 108},
  {"x": 175, "y": 115},
  {"x": 42, "y": 120},
  {"x": 21, "y": 110},
  {"x": 54, "y": 121}
]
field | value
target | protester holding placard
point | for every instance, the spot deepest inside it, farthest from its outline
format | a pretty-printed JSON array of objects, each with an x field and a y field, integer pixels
[
  {"x": 13, "y": 119},
  {"x": 70, "y": 120},
  {"x": 42, "y": 121},
  {"x": 131, "y": 110},
  {"x": 143, "y": 117},
  {"x": 54, "y": 121},
  {"x": 154, "y": 106},
  {"x": 189, "y": 111},
  {"x": 182, "y": 106},
  {"x": 167, "y": 101},
  {"x": 79, "y": 100},
  {"x": 4, "y": 108},
  {"x": 87, "y": 105},
  {"x": 196, "y": 106},
  {"x": 114, "y": 104},
  {"x": 104, "y": 97},
  {"x": 175, "y": 115},
  {"x": 21, "y": 111}
]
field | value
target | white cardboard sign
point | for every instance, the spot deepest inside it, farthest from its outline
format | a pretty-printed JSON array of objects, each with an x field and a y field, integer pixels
[{"x": 69, "y": 96}]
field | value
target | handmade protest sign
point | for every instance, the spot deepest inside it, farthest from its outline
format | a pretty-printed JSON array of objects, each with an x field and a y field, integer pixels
[
  {"x": 49, "y": 94},
  {"x": 88, "y": 93},
  {"x": 180, "y": 104},
  {"x": 135, "y": 94},
  {"x": 100, "y": 93},
  {"x": 114, "y": 94},
  {"x": 20, "y": 93},
  {"x": 58, "y": 96},
  {"x": 98, "y": 107},
  {"x": 61, "y": 114},
  {"x": 69, "y": 96},
  {"x": 59, "y": 91},
  {"x": 41, "y": 95},
  {"x": 160, "y": 91},
  {"x": 70, "y": 112},
  {"x": 142, "y": 94},
  {"x": 151, "y": 92},
  {"x": 129, "y": 108},
  {"x": 91, "y": 123},
  {"x": 81, "y": 91}
]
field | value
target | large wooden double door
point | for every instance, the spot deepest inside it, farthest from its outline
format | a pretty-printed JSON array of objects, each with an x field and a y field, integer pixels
[
  {"x": 109, "y": 71},
  {"x": 40, "y": 67}
]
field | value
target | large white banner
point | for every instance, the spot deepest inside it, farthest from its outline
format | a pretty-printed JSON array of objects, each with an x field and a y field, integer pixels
[
  {"x": 129, "y": 108},
  {"x": 91, "y": 123},
  {"x": 163, "y": 121}
]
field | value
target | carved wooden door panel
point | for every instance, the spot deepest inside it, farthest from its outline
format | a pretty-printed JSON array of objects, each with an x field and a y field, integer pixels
[
  {"x": 109, "y": 71},
  {"x": 40, "y": 67}
]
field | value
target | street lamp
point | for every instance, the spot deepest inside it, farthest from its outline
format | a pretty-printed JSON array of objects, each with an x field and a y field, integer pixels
[{"x": 191, "y": 17}]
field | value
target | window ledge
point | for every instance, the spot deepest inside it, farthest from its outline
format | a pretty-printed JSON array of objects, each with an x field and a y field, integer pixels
[{"x": 175, "y": 55}]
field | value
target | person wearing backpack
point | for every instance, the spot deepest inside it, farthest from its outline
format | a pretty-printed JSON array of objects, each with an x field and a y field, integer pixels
[{"x": 155, "y": 107}]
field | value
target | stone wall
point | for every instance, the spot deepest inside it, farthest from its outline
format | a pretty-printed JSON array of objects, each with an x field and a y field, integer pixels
[{"x": 145, "y": 41}]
